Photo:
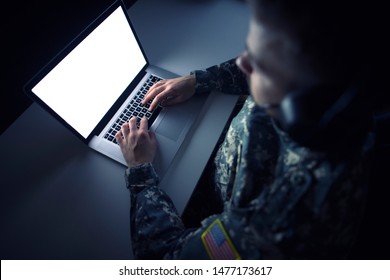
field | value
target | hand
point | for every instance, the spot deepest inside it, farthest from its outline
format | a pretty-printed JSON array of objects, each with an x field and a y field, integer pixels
[
  {"x": 138, "y": 145},
  {"x": 172, "y": 91}
]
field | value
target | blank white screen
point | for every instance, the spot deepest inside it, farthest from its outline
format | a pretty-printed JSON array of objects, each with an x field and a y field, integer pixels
[{"x": 86, "y": 83}]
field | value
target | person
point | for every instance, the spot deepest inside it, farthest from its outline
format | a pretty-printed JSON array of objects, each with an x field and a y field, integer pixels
[{"x": 291, "y": 172}]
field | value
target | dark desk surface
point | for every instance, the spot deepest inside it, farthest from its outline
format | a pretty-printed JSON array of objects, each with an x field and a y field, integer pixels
[{"x": 61, "y": 200}]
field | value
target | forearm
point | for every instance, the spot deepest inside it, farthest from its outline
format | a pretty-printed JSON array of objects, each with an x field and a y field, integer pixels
[
  {"x": 154, "y": 220},
  {"x": 225, "y": 77}
]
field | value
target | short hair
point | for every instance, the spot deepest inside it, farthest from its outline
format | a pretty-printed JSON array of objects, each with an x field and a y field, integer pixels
[{"x": 345, "y": 37}]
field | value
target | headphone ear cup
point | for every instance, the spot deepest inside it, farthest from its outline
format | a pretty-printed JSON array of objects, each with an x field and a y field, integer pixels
[{"x": 311, "y": 116}]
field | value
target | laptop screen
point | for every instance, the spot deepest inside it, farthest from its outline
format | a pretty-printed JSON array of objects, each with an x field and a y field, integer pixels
[{"x": 84, "y": 85}]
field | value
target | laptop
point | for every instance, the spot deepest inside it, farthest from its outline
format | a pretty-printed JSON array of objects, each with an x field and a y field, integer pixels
[{"x": 97, "y": 81}]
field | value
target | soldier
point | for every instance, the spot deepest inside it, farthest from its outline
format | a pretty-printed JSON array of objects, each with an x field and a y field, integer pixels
[{"x": 291, "y": 172}]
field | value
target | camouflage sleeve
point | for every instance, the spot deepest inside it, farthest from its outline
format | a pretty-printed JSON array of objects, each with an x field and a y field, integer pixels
[
  {"x": 154, "y": 221},
  {"x": 225, "y": 77},
  {"x": 139, "y": 177}
]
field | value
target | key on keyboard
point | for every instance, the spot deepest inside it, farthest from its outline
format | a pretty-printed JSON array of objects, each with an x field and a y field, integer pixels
[{"x": 135, "y": 109}]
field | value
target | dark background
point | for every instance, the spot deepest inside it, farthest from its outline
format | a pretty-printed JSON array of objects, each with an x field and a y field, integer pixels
[{"x": 35, "y": 31}]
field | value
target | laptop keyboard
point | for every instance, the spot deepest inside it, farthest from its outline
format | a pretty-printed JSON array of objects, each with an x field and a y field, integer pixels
[{"x": 135, "y": 109}]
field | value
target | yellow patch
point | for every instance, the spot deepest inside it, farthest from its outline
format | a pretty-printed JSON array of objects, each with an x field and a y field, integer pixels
[{"x": 218, "y": 244}]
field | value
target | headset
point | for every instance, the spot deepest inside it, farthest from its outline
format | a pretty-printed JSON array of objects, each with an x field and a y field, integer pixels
[{"x": 323, "y": 117}]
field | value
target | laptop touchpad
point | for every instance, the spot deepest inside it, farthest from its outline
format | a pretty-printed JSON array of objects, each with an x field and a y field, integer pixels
[{"x": 172, "y": 124}]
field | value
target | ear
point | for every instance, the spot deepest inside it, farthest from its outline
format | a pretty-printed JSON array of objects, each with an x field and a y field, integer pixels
[{"x": 311, "y": 116}]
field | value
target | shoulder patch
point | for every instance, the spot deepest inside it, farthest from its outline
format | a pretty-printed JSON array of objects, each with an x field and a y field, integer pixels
[{"x": 218, "y": 244}]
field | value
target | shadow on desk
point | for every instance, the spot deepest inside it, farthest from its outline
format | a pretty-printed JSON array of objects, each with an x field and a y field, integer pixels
[{"x": 55, "y": 204}]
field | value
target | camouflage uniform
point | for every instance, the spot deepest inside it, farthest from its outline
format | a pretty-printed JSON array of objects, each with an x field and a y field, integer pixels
[{"x": 281, "y": 200}]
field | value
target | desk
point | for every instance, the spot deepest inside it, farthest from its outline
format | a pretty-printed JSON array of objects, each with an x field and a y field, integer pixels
[{"x": 61, "y": 200}]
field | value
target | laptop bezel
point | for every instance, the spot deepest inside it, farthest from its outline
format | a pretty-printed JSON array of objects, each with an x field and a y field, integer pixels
[{"x": 65, "y": 51}]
